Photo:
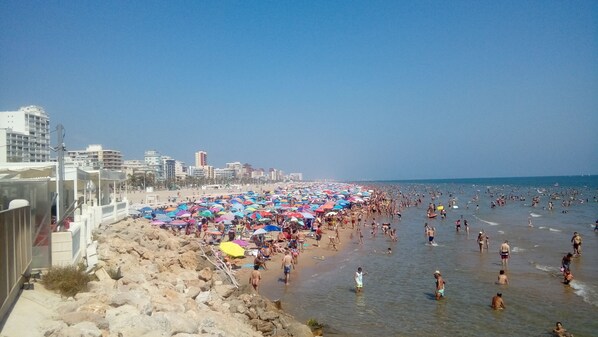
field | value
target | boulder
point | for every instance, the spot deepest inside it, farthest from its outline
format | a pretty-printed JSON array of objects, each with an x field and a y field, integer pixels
[
  {"x": 88, "y": 329},
  {"x": 203, "y": 297},
  {"x": 178, "y": 322},
  {"x": 189, "y": 260},
  {"x": 224, "y": 290},
  {"x": 138, "y": 299},
  {"x": 205, "y": 274},
  {"x": 297, "y": 329},
  {"x": 74, "y": 318}
]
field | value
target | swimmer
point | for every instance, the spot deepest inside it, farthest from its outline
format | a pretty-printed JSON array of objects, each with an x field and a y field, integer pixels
[
  {"x": 560, "y": 331},
  {"x": 502, "y": 278},
  {"x": 389, "y": 251},
  {"x": 497, "y": 302}
]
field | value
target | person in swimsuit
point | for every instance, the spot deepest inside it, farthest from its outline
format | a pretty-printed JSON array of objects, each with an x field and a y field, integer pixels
[
  {"x": 287, "y": 263},
  {"x": 504, "y": 251},
  {"x": 439, "y": 293},
  {"x": 566, "y": 262},
  {"x": 576, "y": 240},
  {"x": 502, "y": 278},
  {"x": 255, "y": 277},
  {"x": 481, "y": 239},
  {"x": 458, "y": 225},
  {"x": 497, "y": 302},
  {"x": 359, "y": 280},
  {"x": 431, "y": 231}
]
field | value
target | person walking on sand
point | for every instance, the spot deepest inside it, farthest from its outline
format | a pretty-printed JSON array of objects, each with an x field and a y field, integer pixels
[
  {"x": 255, "y": 278},
  {"x": 359, "y": 280},
  {"x": 439, "y": 293},
  {"x": 287, "y": 263}
]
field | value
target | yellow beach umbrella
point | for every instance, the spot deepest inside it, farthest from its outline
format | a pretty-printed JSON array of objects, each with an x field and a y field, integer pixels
[
  {"x": 232, "y": 249},
  {"x": 440, "y": 208}
]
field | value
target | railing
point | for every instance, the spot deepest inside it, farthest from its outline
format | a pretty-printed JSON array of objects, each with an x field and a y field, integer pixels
[
  {"x": 16, "y": 234},
  {"x": 68, "y": 248}
]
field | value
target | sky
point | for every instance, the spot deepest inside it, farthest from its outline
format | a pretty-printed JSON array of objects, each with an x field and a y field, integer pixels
[{"x": 345, "y": 90}]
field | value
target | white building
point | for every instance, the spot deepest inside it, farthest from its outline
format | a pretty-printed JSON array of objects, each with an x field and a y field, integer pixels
[
  {"x": 236, "y": 167},
  {"x": 130, "y": 167},
  {"x": 25, "y": 135},
  {"x": 224, "y": 173},
  {"x": 296, "y": 176},
  {"x": 153, "y": 159},
  {"x": 95, "y": 157}
]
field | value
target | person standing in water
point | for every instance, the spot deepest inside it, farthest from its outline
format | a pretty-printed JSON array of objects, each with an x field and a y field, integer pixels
[
  {"x": 439, "y": 293},
  {"x": 359, "y": 280},
  {"x": 505, "y": 251},
  {"x": 576, "y": 240}
]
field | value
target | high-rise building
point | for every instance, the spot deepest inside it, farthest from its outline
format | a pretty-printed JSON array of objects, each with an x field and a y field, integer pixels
[
  {"x": 201, "y": 158},
  {"x": 95, "y": 158},
  {"x": 153, "y": 159},
  {"x": 25, "y": 135}
]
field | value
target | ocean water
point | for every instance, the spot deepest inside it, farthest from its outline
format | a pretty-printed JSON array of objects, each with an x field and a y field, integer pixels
[{"x": 398, "y": 297}]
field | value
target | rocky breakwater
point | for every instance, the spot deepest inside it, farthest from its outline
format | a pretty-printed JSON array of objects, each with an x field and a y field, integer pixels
[{"x": 166, "y": 287}]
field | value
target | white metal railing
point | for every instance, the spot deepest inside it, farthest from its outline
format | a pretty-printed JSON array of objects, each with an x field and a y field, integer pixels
[
  {"x": 69, "y": 247},
  {"x": 16, "y": 233}
]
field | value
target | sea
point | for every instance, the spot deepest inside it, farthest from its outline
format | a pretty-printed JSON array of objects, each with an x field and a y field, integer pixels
[{"x": 398, "y": 296}]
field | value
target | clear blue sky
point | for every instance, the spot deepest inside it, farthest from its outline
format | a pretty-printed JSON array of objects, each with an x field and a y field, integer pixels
[{"x": 333, "y": 89}]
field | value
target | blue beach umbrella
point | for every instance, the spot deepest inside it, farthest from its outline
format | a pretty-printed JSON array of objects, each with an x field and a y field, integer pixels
[{"x": 272, "y": 228}]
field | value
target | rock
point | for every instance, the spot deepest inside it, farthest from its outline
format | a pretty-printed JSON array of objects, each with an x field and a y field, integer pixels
[
  {"x": 138, "y": 299},
  {"x": 192, "y": 292},
  {"x": 74, "y": 318},
  {"x": 189, "y": 260},
  {"x": 205, "y": 274},
  {"x": 201, "y": 284},
  {"x": 178, "y": 322},
  {"x": 128, "y": 321},
  {"x": 203, "y": 297},
  {"x": 268, "y": 315},
  {"x": 264, "y": 327},
  {"x": 172, "y": 244},
  {"x": 297, "y": 329},
  {"x": 224, "y": 290},
  {"x": 51, "y": 328},
  {"x": 88, "y": 329}
]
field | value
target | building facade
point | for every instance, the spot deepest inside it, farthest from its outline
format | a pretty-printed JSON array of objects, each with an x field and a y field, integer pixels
[
  {"x": 25, "y": 135},
  {"x": 95, "y": 157},
  {"x": 201, "y": 158}
]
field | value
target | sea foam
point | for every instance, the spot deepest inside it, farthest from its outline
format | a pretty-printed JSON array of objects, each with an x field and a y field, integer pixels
[{"x": 585, "y": 291}]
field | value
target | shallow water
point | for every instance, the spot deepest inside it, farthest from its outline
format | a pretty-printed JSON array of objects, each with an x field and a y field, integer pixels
[{"x": 398, "y": 297}]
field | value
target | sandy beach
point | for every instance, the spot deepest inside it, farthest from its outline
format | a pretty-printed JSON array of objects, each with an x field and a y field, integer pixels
[{"x": 273, "y": 276}]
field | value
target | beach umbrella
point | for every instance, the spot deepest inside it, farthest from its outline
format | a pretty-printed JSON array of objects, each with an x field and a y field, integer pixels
[
  {"x": 134, "y": 212},
  {"x": 259, "y": 231},
  {"x": 181, "y": 213},
  {"x": 206, "y": 214},
  {"x": 163, "y": 217},
  {"x": 158, "y": 223},
  {"x": 177, "y": 223},
  {"x": 241, "y": 243},
  {"x": 331, "y": 213},
  {"x": 232, "y": 249},
  {"x": 265, "y": 220},
  {"x": 307, "y": 215},
  {"x": 272, "y": 228}
]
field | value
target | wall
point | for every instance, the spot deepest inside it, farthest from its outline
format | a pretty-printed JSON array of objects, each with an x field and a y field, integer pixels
[{"x": 16, "y": 241}]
